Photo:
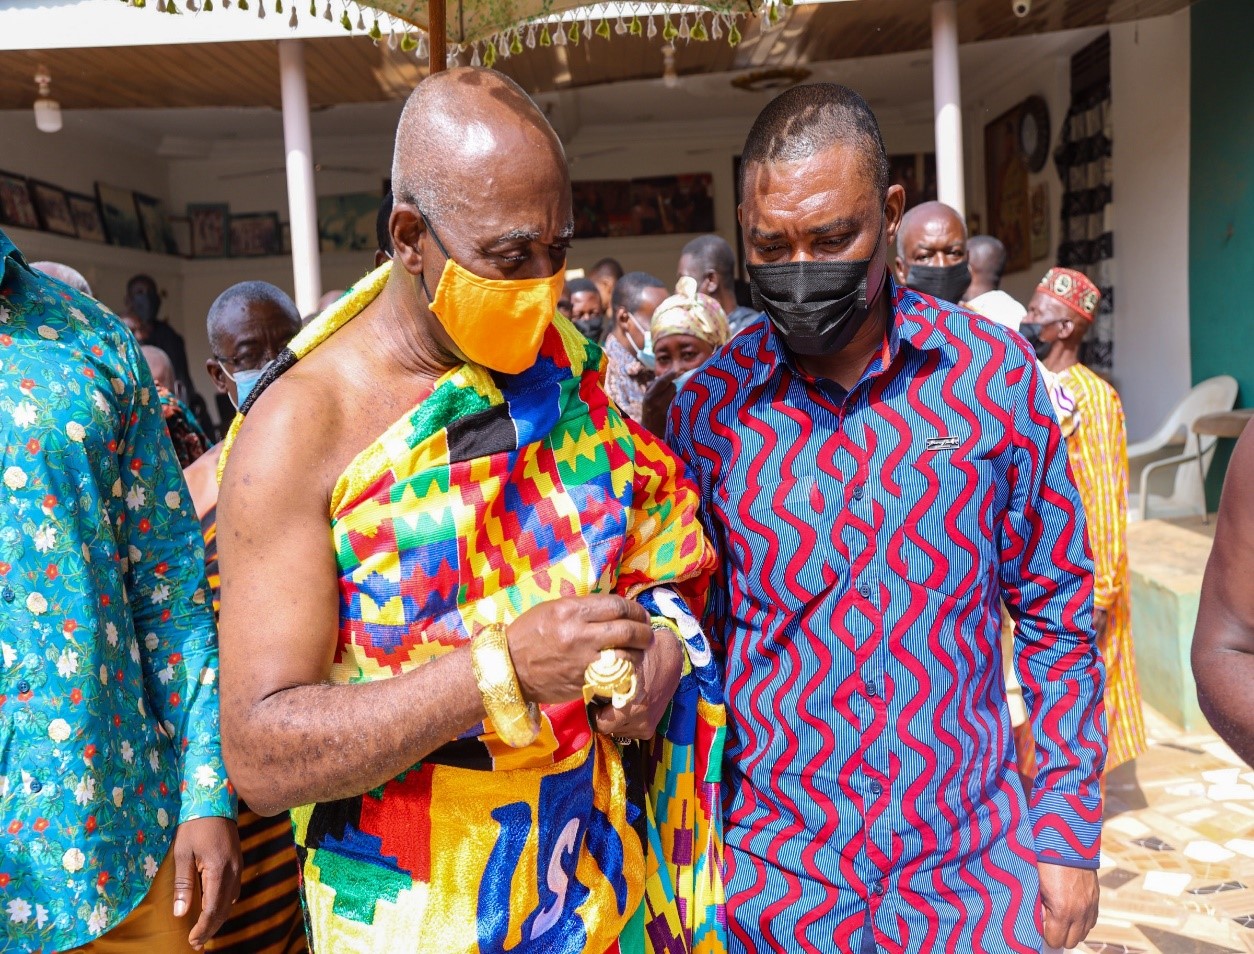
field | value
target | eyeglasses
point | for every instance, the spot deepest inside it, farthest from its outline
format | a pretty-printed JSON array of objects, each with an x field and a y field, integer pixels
[{"x": 248, "y": 361}]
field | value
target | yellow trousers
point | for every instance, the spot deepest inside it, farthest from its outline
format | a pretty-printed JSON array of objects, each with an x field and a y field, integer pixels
[{"x": 152, "y": 927}]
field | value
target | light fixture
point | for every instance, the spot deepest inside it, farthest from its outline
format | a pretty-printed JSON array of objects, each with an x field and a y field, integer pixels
[
  {"x": 47, "y": 110},
  {"x": 670, "y": 76}
]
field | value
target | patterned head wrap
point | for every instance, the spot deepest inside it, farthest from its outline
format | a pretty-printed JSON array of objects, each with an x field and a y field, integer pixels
[
  {"x": 1074, "y": 289},
  {"x": 688, "y": 312}
]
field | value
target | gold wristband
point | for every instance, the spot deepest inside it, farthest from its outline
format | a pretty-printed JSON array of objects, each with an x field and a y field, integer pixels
[{"x": 517, "y": 722}]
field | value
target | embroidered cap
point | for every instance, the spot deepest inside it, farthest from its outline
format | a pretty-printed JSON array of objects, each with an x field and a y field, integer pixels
[{"x": 1074, "y": 289}]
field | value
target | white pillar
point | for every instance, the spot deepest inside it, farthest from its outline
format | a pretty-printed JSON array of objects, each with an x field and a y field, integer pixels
[
  {"x": 301, "y": 202},
  {"x": 947, "y": 95}
]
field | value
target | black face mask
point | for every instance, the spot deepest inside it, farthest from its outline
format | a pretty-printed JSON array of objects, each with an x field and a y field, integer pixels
[
  {"x": 817, "y": 307},
  {"x": 590, "y": 327},
  {"x": 1032, "y": 332},
  {"x": 946, "y": 282},
  {"x": 144, "y": 307}
]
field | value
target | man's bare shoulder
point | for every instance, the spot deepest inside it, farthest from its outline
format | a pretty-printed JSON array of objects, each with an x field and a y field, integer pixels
[{"x": 289, "y": 435}]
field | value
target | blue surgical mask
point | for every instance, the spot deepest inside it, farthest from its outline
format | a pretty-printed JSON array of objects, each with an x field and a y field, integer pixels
[
  {"x": 644, "y": 355},
  {"x": 245, "y": 381},
  {"x": 684, "y": 378}
]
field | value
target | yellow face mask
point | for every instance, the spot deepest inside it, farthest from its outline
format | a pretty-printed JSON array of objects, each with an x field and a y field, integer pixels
[{"x": 497, "y": 323}]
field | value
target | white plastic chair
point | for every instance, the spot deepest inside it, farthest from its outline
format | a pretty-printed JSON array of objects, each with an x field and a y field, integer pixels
[{"x": 1188, "y": 495}]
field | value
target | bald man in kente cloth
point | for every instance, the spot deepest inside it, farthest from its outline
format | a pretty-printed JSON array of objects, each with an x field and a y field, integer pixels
[{"x": 438, "y": 541}]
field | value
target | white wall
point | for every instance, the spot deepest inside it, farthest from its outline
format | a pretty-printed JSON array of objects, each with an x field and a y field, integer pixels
[{"x": 1149, "y": 62}]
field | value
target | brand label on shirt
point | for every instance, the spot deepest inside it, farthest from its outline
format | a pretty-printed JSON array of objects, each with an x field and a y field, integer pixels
[{"x": 942, "y": 443}]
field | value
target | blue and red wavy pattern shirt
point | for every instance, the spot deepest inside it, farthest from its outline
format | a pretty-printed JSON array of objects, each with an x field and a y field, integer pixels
[{"x": 866, "y": 540}]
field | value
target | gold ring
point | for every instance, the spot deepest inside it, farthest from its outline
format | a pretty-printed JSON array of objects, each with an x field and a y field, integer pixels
[{"x": 610, "y": 677}]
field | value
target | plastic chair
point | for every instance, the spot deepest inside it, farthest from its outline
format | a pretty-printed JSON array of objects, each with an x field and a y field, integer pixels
[{"x": 1188, "y": 495}]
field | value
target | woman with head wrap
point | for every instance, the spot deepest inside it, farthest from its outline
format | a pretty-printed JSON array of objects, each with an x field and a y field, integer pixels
[{"x": 686, "y": 330}]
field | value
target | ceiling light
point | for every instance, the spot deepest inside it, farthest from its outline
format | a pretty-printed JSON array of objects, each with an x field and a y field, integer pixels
[
  {"x": 670, "y": 76},
  {"x": 47, "y": 110}
]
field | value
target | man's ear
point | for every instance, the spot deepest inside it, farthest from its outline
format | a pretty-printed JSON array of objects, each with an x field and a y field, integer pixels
[
  {"x": 899, "y": 270},
  {"x": 1070, "y": 328},
  {"x": 894, "y": 209},
  {"x": 216, "y": 375},
  {"x": 709, "y": 283},
  {"x": 406, "y": 226}
]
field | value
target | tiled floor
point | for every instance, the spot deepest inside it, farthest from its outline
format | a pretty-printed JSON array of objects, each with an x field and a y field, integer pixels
[{"x": 1177, "y": 870}]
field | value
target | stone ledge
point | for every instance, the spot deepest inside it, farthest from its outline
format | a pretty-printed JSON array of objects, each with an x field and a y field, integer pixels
[{"x": 1166, "y": 563}]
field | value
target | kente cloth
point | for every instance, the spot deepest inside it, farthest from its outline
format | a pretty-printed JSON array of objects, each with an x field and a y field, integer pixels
[
  {"x": 266, "y": 918},
  {"x": 1097, "y": 447},
  {"x": 494, "y": 494},
  {"x": 688, "y": 312}
]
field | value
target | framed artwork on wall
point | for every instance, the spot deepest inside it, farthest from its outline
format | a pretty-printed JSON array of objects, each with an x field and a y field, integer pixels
[
  {"x": 85, "y": 211},
  {"x": 915, "y": 172},
  {"x": 255, "y": 234},
  {"x": 16, "y": 207},
  {"x": 117, "y": 208},
  {"x": 180, "y": 227},
  {"x": 152, "y": 220},
  {"x": 210, "y": 230},
  {"x": 53, "y": 208},
  {"x": 1006, "y": 189},
  {"x": 660, "y": 205},
  {"x": 346, "y": 222}
]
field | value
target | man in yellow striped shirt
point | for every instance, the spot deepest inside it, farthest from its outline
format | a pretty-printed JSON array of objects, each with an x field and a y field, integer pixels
[{"x": 1091, "y": 416}]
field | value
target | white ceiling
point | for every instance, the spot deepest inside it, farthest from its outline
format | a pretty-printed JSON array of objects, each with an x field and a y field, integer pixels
[{"x": 899, "y": 86}]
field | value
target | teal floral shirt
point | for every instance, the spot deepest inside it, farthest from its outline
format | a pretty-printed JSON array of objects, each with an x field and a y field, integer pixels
[{"x": 109, "y": 732}]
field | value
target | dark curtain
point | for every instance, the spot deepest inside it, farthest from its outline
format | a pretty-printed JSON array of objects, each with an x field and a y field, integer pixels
[{"x": 1087, "y": 240}]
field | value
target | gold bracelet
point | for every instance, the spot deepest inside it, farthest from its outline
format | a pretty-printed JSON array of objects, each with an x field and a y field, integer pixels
[{"x": 516, "y": 722}]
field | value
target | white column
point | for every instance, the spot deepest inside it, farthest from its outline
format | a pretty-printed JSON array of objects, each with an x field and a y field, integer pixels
[
  {"x": 301, "y": 202},
  {"x": 947, "y": 95}
]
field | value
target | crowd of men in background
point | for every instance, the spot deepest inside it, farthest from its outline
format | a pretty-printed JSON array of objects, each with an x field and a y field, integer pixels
[{"x": 819, "y": 575}]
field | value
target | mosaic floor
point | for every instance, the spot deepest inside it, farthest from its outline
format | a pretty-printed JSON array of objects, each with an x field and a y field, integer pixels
[{"x": 1177, "y": 870}]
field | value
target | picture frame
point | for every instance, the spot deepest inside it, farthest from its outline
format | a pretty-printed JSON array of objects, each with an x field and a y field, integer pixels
[
  {"x": 1006, "y": 184},
  {"x": 85, "y": 211},
  {"x": 54, "y": 211},
  {"x": 255, "y": 234},
  {"x": 152, "y": 221},
  {"x": 346, "y": 223},
  {"x": 16, "y": 207},
  {"x": 121, "y": 219},
  {"x": 180, "y": 227},
  {"x": 210, "y": 227}
]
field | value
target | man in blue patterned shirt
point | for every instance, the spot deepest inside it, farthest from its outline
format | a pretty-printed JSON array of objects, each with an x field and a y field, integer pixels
[{"x": 113, "y": 798}]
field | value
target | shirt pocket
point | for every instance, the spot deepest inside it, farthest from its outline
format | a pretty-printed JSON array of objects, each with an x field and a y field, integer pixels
[{"x": 946, "y": 524}]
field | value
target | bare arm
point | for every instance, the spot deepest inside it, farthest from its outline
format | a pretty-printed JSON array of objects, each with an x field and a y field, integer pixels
[
  {"x": 289, "y": 737},
  {"x": 1223, "y": 644}
]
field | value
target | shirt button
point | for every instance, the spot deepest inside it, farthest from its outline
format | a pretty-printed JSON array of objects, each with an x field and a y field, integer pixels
[
  {"x": 865, "y": 588},
  {"x": 23, "y": 687},
  {"x": 857, "y": 492},
  {"x": 877, "y": 788},
  {"x": 877, "y": 889},
  {"x": 872, "y": 690},
  {"x": 36, "y": 786},
  {"x": 9, "y": 595}
]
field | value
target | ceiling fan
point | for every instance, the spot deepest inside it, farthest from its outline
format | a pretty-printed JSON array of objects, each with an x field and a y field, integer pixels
[
  {"x": 573, "y": 158},
  {"x": 282, "y": 170}
]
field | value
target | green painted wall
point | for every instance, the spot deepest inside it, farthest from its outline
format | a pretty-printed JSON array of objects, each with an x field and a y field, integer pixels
[{"x": 1221, "y": 199}]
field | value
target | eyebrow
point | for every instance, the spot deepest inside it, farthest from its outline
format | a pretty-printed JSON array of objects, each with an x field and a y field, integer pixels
[{"x": 530, "y": 235}]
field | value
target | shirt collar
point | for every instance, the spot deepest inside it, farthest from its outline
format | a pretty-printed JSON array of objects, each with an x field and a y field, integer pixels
[
  {"x": 913, "y": 323},
  {"x": 8, "y": 251}
]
